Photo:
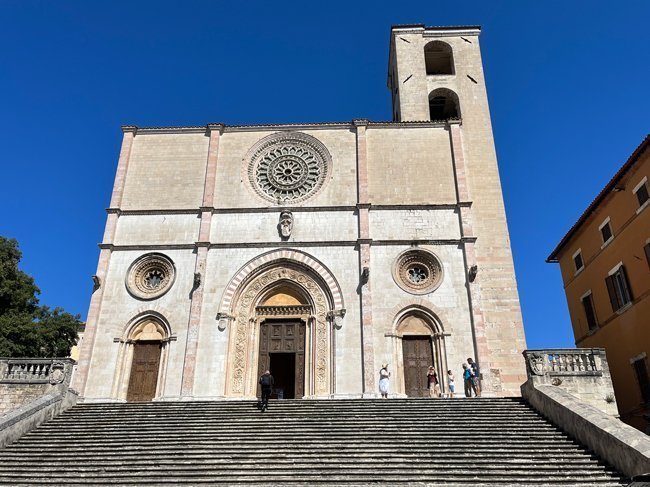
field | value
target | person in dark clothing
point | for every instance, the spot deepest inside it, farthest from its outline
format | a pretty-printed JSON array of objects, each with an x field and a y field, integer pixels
[
  {"x": 266, "y": 381},
  {"x": 476, "y": 377}
]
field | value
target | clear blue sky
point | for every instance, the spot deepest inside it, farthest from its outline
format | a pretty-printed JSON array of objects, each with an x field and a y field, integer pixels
[{"x": 567, "y": 82}]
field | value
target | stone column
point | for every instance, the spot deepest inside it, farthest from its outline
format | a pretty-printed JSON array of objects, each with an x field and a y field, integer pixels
[
  {"x": 85, "y": 353},
  {"x": 191, "y": 345},
  {"x": 468, "y": 240},
  {"x": 364, "y": 242}
]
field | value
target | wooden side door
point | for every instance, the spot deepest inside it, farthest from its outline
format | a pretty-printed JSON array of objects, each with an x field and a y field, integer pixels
[
  {"x": 418, "y": 356},
  {"x": 144, "y": 371}
]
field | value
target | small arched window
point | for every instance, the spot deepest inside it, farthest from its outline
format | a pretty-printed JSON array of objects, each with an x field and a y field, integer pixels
[
  {"x": 443, "y": 105},
  {"x": 438, "y": 58}
]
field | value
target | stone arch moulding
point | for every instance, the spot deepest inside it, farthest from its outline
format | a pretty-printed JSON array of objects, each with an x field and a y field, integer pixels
[
  {"x": 434, "y": 320},
  {"x": 147, "y": 324},
  {"x": 240, "y": 303}
]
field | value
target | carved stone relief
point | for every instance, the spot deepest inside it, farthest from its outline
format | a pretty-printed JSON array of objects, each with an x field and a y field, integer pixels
[
  {"x": 286, "y": 224},
  {"x": 287, "y": 166},
  {"x": 150, "y": 276},
  {"x": 245, "y": 323}
]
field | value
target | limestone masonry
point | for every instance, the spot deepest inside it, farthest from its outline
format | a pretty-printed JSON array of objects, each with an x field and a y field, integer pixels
[{"x": 320, "y": 251}]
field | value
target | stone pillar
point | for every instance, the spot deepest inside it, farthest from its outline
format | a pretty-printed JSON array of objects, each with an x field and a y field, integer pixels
[
  {"x": 202, "y": 246},
  {"x": 364, "y": 242},
  {"x": 468, "y": 241},
  {"x": 85, "y": 353}
]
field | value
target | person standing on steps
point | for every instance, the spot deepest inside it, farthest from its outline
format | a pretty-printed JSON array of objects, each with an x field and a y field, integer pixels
[
  {"x": 433, "y": 383},
  {"x": 468, "y": 381},
  {"x": 384, "y": 377},
  {"x": 450, "y": 383},
  {"x": 476, "y": 378},
  {"x": 266, "y": 381}
]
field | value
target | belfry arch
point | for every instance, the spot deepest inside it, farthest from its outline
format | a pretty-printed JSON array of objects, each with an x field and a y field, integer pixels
[{"x": 282, "y": 286}]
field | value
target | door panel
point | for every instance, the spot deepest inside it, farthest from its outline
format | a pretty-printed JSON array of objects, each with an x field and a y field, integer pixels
[
  {"x": 418, "y": 356},
  {"x": 144, "y": 371},
  {"x": 283, "y": 337}
]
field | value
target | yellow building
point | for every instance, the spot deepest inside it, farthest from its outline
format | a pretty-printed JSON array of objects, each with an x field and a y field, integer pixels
[{"x": 605, "y": 265}]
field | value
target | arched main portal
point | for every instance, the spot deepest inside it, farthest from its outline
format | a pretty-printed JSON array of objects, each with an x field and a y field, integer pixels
[
  {"x": 289, "y": 301},
  {"x": 418, "y": 342}
]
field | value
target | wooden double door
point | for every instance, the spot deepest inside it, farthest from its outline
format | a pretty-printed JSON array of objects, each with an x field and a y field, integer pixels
[
  {"x": 282, "y": 351},
  {"x": 418, "y": 357},
  {"x": 144, "y": 371}
]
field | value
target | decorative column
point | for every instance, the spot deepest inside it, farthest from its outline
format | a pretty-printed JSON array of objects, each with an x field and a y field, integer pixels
[
  {"x": 85, "y": 354},
  {"x": 364, "y": 242},
  {"x": 468, "y": 240},
  {"x": 191, "y": 345}
]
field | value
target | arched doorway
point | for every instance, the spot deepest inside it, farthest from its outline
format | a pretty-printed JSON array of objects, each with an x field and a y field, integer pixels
[
  {"x": 283, "y": 316},
  {"x": 142, "y": 360},
  {"x": 286, "y": 292},
  {"x": 418, "y": 344}
]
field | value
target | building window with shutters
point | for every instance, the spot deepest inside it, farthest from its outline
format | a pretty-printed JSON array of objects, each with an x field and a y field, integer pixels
[
  {"x": 618, "y": 287},
  {"x": 606, "y": 232},
  {"x": 641, "y": 193},
  {"x": 640, "y": 365},
  {"x": 590, "y": 312},
  {"x": 577, "y": 261}
]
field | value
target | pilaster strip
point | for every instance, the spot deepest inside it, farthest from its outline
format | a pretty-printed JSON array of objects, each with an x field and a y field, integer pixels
[
  {"x": 196, "y": 302},
  {"x": 122, "y": 165},
  {"x": 473, "y": 288},
  {"x": 363, "y": 208},
  {"x": 88, "y": 344}
]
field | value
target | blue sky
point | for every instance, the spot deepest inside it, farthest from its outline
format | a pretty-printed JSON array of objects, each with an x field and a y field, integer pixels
[{"x": 567, "y": 83}]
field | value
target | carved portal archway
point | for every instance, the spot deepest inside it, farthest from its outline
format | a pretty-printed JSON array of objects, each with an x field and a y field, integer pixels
[
  {"x": 413, "y": 322},
  {"x": 249, "y": 309},
  {"x": 146, "y": 327}
]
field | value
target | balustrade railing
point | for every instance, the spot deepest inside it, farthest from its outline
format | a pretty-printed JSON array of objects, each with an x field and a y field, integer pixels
[
  {"x": 575, "y": 361},
  {"x": 33, "y": 370}
]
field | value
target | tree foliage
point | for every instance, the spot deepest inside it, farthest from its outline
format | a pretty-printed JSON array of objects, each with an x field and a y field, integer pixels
[{"x": 28, "y": 329}]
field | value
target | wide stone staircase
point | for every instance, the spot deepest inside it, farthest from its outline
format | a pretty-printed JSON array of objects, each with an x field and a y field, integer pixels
[{"x": 451, "y": 442}]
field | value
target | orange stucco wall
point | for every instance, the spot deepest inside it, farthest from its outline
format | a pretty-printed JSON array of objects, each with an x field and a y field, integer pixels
[{"x": 624, "y": 334}]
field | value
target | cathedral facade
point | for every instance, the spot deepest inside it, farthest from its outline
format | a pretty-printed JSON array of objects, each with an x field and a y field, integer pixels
[{"x": 320, "y": 251}]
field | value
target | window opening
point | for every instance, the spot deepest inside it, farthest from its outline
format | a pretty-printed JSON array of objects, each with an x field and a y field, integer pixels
[
  {"x": 577, "y": 260},
  {"x": 642, "y": 193},
  {"x": 438, "y": 58},
  {"x": 443, "y": 107},
  {"x": 641, "y": 371},
  {"x": 588, "y": 304},
  {"x": 606, "y": 232},
  {"x": 618, "y": 288}
]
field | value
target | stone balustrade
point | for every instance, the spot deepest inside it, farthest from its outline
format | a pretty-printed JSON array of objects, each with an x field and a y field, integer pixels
[
  {"x": 565, "y": 362},
  {"x": 24, "y": 379},
  {"x": 582, "y": 372}
]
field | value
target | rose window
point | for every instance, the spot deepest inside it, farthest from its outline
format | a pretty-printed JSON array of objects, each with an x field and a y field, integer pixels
[
  {"x": 288, "y": 167},
  {"x": 417, "y": 271},
  {"x": 150, "y": 276}
]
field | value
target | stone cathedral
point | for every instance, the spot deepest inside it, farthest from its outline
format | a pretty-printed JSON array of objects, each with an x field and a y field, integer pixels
[{"x": 319, "y": 251}]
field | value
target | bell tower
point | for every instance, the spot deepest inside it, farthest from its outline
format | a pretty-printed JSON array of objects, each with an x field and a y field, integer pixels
[{"x": 431, "y": 70}]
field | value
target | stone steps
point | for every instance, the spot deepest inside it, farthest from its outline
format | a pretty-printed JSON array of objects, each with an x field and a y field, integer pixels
[{"x": 303, "y": 442}]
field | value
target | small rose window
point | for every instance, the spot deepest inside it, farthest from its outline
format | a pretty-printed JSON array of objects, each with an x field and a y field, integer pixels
[
  {"x": 417, "y": 271},
  {"x": 150, "y": 276}
]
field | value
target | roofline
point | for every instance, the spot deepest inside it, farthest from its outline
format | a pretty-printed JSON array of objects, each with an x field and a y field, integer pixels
[
  {"x": 632, "y": 160},
  {"x": 435, "y": 27},
  {"x": 286, "y": 126}
]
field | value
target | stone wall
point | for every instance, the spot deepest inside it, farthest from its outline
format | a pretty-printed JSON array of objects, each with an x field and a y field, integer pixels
[{"x": 24, "y": 380}]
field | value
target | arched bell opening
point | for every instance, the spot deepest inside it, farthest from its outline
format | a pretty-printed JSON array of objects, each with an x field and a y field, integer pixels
[
  {"x": 418, "y": 343},
  {"x": 142, "y": 359}
]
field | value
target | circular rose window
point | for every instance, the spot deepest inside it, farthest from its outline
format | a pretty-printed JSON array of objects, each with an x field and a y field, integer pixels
[
  {"x": 287, "y": 167},
  {"x": 417, "y": 271},
  {"x": 150, "y": 276}
]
